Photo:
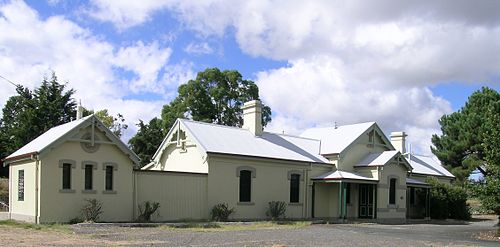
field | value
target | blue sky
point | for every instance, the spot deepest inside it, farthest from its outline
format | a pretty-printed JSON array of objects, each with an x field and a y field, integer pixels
[{"x": 401, "y": 64}]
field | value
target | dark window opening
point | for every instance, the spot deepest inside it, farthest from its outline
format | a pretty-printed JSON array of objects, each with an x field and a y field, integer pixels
[
  {"x": 245, "y": 185},
  {"x": 109, "y": 178},
  {"x": 392, "y": 191},
  {"x": 20, "y": 186},
  {"x": 294, "y": 187},
  {"x": 66, "y": 176},
  {"x": 348, "y": 193},
  {"x": 88, "y": 177}
]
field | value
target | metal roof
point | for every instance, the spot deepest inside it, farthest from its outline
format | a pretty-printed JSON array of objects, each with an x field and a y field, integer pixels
[
  {"x": 50, "y": 137},
  {"x": 222, "y": 139},
  {"x": 377, "y": 159},
  {"x": 416, "y": 182},
  {"x": 427, "y": 165},
  {"x": 335, "y": 140},
  {"x": 47, "y": 138},
  {"x": 342, "y": 175}
]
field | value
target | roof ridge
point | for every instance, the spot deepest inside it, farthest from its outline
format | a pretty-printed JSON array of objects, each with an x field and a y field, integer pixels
[
  {"x": 211, "y": 124},
  {"x": 295, "y": 136}
]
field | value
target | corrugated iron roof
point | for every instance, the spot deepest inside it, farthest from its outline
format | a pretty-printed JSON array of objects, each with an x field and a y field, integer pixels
[
  {"x": 427, "y": 165},
  {"x": 47, "y": 138},
  {"x": 215, "y": 138},
  {"x": 342, "y": 175},
  {"x": 377, "y": 159},
  {"x": 335, "y": 140}
]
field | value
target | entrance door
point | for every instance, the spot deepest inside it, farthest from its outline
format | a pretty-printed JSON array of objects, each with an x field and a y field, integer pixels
[{"x": 365, "y": 201}]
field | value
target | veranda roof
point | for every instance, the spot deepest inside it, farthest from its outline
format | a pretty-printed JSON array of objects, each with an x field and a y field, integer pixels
[{"x": 343, "y": 176}]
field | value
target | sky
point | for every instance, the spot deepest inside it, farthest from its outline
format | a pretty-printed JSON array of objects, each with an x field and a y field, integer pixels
[{"x": 402, "y": 64}]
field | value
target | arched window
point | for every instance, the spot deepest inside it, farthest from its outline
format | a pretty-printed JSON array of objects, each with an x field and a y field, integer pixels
[
  {"x": 245, "y": 185},
  {"x": 294, "y": 188},
  {"x": 392, "y": 191}
]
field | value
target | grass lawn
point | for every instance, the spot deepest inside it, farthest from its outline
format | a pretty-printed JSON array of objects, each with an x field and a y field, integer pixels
[
  {"x": 237, "y": 226},
  {"x": 42, "y": 227}
]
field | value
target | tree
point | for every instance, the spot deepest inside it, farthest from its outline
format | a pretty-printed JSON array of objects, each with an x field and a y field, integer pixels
[
  {"x": 30, "y": 113},
  {"x": 215, "y": 97},
  {"x": 488, "y": 191},
  {"x": 116, "y": 124},
  {"x": 461, "y": 145},
  {"x": 147, "y": 140}
]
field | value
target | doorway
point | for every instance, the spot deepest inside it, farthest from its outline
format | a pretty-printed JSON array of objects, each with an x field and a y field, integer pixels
[{"x": 366, "y": 201}]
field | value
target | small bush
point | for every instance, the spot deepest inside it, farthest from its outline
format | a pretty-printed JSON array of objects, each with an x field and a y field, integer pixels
[
  {"x": 276, "y": 210},
  {"x": 221, "y": 212},
  {"x": 448, "y": 201},
  {"x": 146, "y": 210},
  {"x": 92, "y": 210}
]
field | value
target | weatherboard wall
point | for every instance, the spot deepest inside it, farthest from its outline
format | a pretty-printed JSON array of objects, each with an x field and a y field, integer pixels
[{"x": 182, "y": 196}]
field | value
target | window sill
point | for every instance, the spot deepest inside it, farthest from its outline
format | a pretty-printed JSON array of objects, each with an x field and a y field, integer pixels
[
  {"x": 89, "y": 192},
  {"x": 246, "y": 203},
  {"x": 295, "y": 204},
  {"x": 66, "y": 191},
  {"x": 391, "y": 206},
  {"x": 109, "y": 192}
]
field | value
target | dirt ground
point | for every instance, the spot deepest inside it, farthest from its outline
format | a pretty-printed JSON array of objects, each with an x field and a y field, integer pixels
[{"x": 425, "y": 234}]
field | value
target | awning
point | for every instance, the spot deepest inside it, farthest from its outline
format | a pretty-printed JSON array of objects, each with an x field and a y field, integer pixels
[
  {"x": 416, "y": 183},
  {"x": 343, "y": 176}
]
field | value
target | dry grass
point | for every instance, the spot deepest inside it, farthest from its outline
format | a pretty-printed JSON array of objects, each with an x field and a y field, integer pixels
[
  {"x": 211, "y": 227},
  {"x": 43, "y": 227}
]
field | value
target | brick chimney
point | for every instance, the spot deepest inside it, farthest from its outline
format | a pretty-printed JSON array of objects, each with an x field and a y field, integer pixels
[
  {"x": 398, "y": 140},
  {"x": 252, "y": 117}
]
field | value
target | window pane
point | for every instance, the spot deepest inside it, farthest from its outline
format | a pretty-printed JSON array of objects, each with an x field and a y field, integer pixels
[
  {"x": 294, "y": 187},
  {"x": 245, "y": 185},
  {"x": 66, "y": 176},
  {"x": 109, "y": 178},
  {"x": 392, "y": 191},
  {"x": 20, "y": 186},
  {"x": 88, "y": 177}
]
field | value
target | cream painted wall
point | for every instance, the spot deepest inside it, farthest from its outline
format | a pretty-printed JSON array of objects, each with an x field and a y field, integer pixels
[
  {"x": 357, "y": 151},
  {"x": 175, "y": 158},
  {"x": 57, "y": 206},
  {"x": 181, "y": 195},
  {"x": 23, "y": 210},
  {"x": 398, "y": 210},
  {"x": 270, "y": 184}
]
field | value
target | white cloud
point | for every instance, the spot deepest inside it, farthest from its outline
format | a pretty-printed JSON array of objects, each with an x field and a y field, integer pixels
[
  {"x": 31, "y": 47},
  {"x": 198, "y": 48},
  {"x": 319, "y": 92}
]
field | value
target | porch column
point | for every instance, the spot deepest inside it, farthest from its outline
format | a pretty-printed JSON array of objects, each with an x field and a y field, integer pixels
[
  {"x": 344, "y": 202},
  {"x": 374, "y": 205}
]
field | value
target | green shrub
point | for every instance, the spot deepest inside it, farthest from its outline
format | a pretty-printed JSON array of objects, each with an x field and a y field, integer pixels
[
  {"x": 146, "y": 210},
  {"x": 221, "y": 212},
  {"x": 92, "y": 210},
  {"x": 448, "y": 201},
  {"x": 276, "y": 209}
]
